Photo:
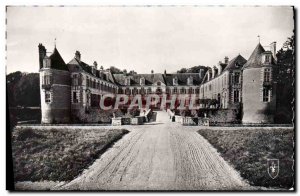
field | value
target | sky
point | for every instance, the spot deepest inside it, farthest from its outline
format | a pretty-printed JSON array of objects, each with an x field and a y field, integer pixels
[{"x": 143, "y": 38}]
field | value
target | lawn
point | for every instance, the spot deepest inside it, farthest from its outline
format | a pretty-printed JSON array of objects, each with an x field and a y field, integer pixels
[
  {"x": 247, "y": 150},
  {"x": 58, "y": 154}
]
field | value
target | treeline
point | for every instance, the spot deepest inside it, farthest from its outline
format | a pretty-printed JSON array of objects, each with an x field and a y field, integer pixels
[
  {"x": 194, "y": 69},
  {"x": 23, "y": 89}
]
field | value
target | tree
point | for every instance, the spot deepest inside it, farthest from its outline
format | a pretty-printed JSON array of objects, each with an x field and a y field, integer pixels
[
  {"x": 182, "y": 70},
  {"x": 194, "y": 69},
  {"x": 132, "y": 72},
  {"x": 285, "y": 82},
  {"x": 23, "y": 89},
  {"x": 115, "y": 70}
]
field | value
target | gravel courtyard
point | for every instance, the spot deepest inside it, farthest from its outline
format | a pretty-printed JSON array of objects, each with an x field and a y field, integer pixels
[{"x": 159, "y": 156}]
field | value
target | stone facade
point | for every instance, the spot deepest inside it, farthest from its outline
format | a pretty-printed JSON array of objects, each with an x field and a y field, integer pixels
[{"x": 71, "y": 92}]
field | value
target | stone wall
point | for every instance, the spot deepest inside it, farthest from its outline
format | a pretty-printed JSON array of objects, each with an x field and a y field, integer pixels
[
  {"x": 58, "y": 109},
  {"x": 254, "y": 109}
]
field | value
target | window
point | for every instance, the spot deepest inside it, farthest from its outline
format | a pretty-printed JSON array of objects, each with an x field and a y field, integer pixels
[
  {"x": 87, "y": 82},
  {"x": 75, "y": 99},
  {"x": 158, "y": 90},
  {"x": 127, "y": 91},
  {"x": 134, "y": 91},
  {"x": 190, "y": 80},
  {"x": 236, "y": 96},
  {"x": 266, "y": 94},
  {"x": 47, "y": 97},
  {"x": 267, "y": 59},
  {"x": 94, "y": 83},
  {"x": 175, "y": 90},
  {"x": 75, "y": 80},
  {"x": 47, "y": 79},
  {"x": 236, "y": 78},
  {"x": 142, "y": 91},
  {"x": 158, "y": 83},
  {"x": 47, "y": 62},
  {"x": 149, "y": 90},
  {"x": 209, "y": 87},
  {"x": 267, "y": 74},
  {"x": 167, "y": 90},
  {"x": 175, "y": 81},
  {"x": 127, "y": 82}
]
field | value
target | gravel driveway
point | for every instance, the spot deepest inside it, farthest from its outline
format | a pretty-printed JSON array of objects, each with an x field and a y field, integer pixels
[{"x": 160, "y": 156}]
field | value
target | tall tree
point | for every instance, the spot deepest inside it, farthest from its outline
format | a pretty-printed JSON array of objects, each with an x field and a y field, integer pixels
[{"x": 285, "y": 82}]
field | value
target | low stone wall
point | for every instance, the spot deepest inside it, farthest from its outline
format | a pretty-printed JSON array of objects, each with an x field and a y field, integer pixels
[
  {"x": 137, "y": 120},
  {"x": 195, "y": 121}
]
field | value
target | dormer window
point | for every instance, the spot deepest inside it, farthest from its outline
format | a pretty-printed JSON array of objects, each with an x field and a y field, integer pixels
[
  {"x": 175, "y": 81},
  {"x": 190, "y": 80},
  {"x": 237, "y": 64},
  {"x": 127, "y": 82},
  {"x": 268, "y": 59},
  {"x": 47, "y": 62},
  {"x": 142, "y": 81}
]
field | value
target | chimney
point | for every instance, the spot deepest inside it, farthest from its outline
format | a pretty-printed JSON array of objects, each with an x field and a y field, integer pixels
[
  {"x": 273, "y": 49},
  {"x": 152, "y": 72},
  {"x": 42, "y": 54},
  {"x": 77, "y": 55},
  {"x": 226, "y": 60},
  {"x": 95, "y": 64},
  {"x": 220, "y": 68},
  {"x": 165, "y": 72}
]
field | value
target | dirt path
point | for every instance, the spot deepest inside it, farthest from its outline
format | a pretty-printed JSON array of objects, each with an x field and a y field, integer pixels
[{"x": 161, "y": 156}]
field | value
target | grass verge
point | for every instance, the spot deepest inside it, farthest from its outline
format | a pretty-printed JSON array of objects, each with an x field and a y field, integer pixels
[
  {"x": 249, "y": 149},
  {"x": 58, "y": 154}
]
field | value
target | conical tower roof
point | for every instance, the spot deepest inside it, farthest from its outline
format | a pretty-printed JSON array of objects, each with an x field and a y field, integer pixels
[
  {"x": 255, "y": 59},
  {"x": 57, "y": 61}
]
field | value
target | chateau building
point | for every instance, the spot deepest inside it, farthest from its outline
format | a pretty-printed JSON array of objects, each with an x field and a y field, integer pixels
[{"x": 70, "y": 91}]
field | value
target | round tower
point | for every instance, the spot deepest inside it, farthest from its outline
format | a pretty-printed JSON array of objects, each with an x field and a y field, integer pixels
[
  {"x": 54, "y": 88},
  {"x": 259, "y": 88}
]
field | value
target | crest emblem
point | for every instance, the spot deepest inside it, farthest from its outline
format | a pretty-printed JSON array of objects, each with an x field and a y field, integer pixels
[{"x": 273, "y": 168}]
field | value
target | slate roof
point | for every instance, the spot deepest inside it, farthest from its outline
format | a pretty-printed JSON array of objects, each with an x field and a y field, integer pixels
[
  {"x": 236, "y": 63},
  {"x": 107, "y": 76},
  {"x": 57, "y": 61},
  {"x": 182, "y": 78},
  {"x": 254, "y": 60},
  {"x": 135, "y": 79},
  {"x": 150, "y": 79}
]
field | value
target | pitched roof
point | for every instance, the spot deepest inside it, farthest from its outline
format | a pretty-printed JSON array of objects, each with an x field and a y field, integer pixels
[
  {"x": 254, "y": 60},
  {"x": 182, "y": 78},
  {"x": 152, "y": 78},
  {"x": 135, "y": 79},
  {"x": 236, "y": 63},
  {"x": 57, "y": 61},
  {"x": 107, "y": 76}
]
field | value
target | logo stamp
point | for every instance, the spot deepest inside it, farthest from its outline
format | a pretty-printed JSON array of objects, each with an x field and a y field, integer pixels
[{"x": 273, "y": 168}]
